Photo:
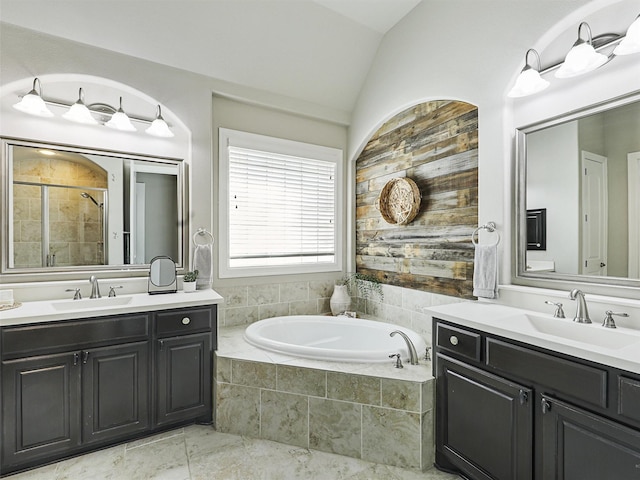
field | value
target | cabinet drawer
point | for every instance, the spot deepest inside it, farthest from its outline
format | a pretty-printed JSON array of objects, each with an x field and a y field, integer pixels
[
  {"x": 184, "y": 321},
  {"x": 568, "y": 379},
  {"x": 629, "y": 398},
  {"x": 35, "y": 339},
  {"x": 462, "y": 342}
]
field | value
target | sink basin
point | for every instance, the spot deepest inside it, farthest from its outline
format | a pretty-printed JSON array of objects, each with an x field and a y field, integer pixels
[
  {"x": 91, "y": 303},
  {"x": 593, "y": 334}
]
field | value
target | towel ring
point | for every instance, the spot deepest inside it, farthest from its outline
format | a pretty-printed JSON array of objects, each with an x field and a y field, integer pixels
[
  {"x": 490, "y": 227},
  {"x": 202, "y": 232}
]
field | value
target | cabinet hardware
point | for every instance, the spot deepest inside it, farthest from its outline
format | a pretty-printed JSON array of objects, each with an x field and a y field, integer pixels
[
  {"x": 453, "y": 340},
  {"x": 546, "y": 405},
  {"x": 186, "y": 321},
  {"x": 523, "y": 397},
  {"x": 85, "y": 357},
  {"x": 161, "y": 345},
  {"x": 76, "y": 358}
]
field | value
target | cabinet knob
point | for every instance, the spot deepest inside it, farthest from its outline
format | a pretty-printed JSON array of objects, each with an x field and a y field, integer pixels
[
  {"x": 453, "y": 340},
  {"x": 546, "y": 405},
  {"x": 186, "y": 321}
]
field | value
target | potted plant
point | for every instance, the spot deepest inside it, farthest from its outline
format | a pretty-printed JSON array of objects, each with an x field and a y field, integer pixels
[
  {"x": 353, "y": 284},
  {"x": 189, "y": 281}
]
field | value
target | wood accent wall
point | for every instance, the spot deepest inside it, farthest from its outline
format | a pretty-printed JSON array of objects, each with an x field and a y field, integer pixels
[{"x": 436, "y": 145}]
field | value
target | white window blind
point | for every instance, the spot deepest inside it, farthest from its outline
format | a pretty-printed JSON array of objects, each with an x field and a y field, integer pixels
[{"x": 281, "y": 208}]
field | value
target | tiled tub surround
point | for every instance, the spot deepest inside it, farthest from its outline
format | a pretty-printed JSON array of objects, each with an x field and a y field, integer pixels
[
  {"x": 246, "y": 304},
  {"x": 373, "y": 412}
]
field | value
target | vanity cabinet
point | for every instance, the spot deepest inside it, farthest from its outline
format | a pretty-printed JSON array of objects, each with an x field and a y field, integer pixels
[
  {"x": 511, "y": 411},
  {"x": 184, "y": 366},
  {"x": 72, "y": 386},
  {"x": 55, "y": 402}
]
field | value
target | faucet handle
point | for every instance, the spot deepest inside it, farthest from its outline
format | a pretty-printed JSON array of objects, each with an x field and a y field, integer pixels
[
  {"x": 398, "y": 361},
  {"x": 608, "y": 319},
  {"x": 77, "y": 295},
  {"x": 427, "y": 354},
  {"x": 559, "y": 313},
  {"x": 112, "y": 291}
]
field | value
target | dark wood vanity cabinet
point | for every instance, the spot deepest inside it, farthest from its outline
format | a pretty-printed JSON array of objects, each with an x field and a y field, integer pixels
[
  {"x": 487, "y": 422},
  {"x": 184, "y": 366},
  {"x": 509, "y": 411},
  {"x": 71, "y": 386}
]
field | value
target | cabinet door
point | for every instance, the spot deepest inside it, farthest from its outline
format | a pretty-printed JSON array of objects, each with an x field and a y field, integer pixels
[
  {"x": 484, "y": 424},
  {"x": 115, "y": 391},
  {"x": 578, "y": 445},
  {"x": 40, "y": 407},
  {"x": 184, "y": 378}
]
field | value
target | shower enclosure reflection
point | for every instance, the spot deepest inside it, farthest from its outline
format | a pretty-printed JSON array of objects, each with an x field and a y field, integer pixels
[{"x": 69, "y": 208}]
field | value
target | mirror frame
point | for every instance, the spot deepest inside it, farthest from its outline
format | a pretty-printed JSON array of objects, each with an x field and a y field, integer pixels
[
  {"x": 611, "y": 286},
  {"x": 80, "y": 271}
]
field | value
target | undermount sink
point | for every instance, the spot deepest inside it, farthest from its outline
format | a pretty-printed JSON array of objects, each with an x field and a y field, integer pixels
[
  {"x": 593, "y": 333},
  {"x": 91, "y": 303}
]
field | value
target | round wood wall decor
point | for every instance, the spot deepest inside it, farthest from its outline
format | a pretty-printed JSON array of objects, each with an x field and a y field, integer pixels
[{"x": 399, "y": 201}]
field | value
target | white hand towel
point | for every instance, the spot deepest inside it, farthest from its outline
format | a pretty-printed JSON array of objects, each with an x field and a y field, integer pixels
[
  {"x": 202, "y": 261},
  {"x": 485, "y": 271}
]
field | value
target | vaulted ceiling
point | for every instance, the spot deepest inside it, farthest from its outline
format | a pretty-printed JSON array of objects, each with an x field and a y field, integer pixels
[{"x": 318, "y": 51}]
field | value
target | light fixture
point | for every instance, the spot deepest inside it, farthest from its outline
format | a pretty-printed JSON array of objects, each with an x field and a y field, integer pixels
[
  {"x": 32, "y": 103},
  {"x": 529, "y": 81},
  {"x": 159, "y": 127},
  {"x": 120, "y": 121},
  {"x": 582, "y": 58},
  {"x": 631, "y": 42},
  {"x": 79, "y": 113}
]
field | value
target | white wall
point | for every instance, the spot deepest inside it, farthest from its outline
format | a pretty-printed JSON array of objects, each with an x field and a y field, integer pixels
[{"x": 553, "y": 173}]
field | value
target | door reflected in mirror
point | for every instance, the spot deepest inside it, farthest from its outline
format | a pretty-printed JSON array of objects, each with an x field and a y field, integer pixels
[
  {"x": 584, "y": 173},
  {"x": 76, "y": 208}
]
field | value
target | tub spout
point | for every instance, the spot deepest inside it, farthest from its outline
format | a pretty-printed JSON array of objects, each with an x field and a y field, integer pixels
[{"x": 413, "y": 355}]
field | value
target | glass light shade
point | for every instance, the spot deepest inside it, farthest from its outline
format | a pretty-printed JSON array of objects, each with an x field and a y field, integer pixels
[
  {"x": 79, "y": 113},
  {"x": 120, "y": 121},
  {"x": 581, "y": 59},
  {"x": 159, "y": 127},
  {"x": 33, "y": 104},
  {"x": 528, "y": 82},
  {"x": 631, "y": 42}
]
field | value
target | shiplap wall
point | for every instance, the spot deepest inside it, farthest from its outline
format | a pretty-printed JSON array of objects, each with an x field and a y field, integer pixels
[{"x": 436, "y": 145}]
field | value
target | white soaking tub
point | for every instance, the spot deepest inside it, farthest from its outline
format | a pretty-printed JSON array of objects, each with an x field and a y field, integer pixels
[{"x": 327, "y": 338}]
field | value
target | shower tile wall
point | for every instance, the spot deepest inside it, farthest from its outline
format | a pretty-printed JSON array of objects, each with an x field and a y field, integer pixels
[{"x": 74, "y": 222}]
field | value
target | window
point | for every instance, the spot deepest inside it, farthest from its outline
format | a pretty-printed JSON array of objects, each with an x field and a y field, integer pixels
[{"x": 280, "y": 206}]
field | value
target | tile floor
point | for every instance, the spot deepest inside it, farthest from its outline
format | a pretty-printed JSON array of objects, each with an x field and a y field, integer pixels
[{"x": 201, "y": 453}]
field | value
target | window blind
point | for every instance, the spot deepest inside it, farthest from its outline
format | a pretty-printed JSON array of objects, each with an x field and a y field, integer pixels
[{"x": 281, "y": 209}]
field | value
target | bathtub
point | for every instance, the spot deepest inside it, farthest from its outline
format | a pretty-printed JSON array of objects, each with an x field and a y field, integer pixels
[{"x": 340, "y": 339}]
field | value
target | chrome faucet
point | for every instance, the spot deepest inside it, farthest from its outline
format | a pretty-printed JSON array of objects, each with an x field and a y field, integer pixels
[
  {"x": 95, "y": 287},
  {"x": 413, "y": 355},
  {"x": 582, "y": 314}
]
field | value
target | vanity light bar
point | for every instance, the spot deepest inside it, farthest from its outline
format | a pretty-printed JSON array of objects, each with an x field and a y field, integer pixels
[
  {"x": 107, "y": 115},
  {"x": 586, "y": 52}
]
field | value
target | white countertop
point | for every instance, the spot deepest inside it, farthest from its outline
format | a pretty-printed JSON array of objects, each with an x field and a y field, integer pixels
[
  {"x": 50, "y": 310},
  {"x": 618, "y": 347}
]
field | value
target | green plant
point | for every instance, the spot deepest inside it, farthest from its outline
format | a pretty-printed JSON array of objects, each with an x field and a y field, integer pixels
[
  {"x": 191, "y": 276},
  {"x": 366, "y": 286}
]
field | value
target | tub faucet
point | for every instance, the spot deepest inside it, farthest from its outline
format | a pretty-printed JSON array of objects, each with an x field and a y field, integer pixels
[
  {"x": 95, "y": 287},
  {"x": 582, "y": 314},
  {"x": 413, "y": 355}
]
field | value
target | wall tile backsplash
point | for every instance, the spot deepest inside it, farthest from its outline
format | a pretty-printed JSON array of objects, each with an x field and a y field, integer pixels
[{"x": 400, "y": 306}]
